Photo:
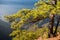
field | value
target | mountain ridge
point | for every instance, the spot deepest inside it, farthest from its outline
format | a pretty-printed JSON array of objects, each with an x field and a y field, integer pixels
[{"x": 4, "y": 30}]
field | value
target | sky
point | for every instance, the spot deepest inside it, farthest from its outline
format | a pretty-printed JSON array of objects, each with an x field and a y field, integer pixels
[{"x": 8, "y": 7}]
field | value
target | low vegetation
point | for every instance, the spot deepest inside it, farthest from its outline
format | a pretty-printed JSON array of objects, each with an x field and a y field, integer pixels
[{"x": 31, "y": 35}]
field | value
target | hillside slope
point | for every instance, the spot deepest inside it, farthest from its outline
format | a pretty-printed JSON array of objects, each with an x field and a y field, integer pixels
[{"x": 4, "y": 30}]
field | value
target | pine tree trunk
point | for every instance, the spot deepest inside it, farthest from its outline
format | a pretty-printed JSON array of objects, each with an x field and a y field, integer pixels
[
  {"x": 51, "y": 25},
  {"x": 54, "y": 3},
  {"x": 58, "y": 19}
]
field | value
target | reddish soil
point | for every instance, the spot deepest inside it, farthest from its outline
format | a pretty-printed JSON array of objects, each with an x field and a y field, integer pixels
[{"x": 53, "y": 38}]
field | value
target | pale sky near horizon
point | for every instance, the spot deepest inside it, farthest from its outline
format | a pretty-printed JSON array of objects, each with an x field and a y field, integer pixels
[{"x": 12, "y": 6}]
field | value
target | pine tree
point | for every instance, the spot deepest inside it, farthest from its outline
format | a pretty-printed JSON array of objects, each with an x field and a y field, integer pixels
[{"x": 43, "y": 9}]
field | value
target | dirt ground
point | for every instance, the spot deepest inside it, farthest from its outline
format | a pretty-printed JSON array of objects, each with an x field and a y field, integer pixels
[{"x": 53, "y": 38}]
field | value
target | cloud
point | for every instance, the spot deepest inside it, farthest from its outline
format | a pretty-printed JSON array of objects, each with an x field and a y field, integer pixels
[{"x": 10, "y": 9}]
